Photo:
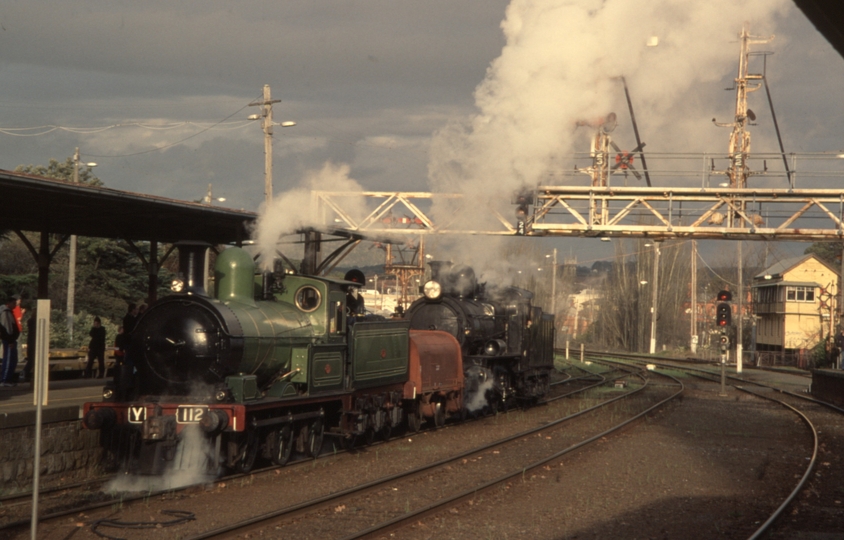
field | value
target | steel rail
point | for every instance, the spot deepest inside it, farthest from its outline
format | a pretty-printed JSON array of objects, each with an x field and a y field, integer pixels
[
  {"x": 312, "y": 504},
  {"x": 449, "y": 501},
  {"x": 812, "y": 461},
  {"x": 788, "y": 500}
]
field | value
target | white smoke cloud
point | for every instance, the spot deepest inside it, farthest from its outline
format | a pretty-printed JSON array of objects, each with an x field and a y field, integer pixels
[
  {"x": 562, "y": 62},
  {"x": 294, "y": 209}
]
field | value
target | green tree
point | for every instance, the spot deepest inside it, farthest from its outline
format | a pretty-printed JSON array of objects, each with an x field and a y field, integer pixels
[
  {"x": 109, "y": 273},
  {"x": 829, "y": 252},
  {"x": 61, "y": 171}
]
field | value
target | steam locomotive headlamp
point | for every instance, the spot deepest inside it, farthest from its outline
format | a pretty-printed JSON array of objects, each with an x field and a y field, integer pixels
[
  {"x": 221, "y": 394},
  {"x": 432, "y": 290},
  {"x": 177, "y": 285},
  {"x": 108, "y": 393}
]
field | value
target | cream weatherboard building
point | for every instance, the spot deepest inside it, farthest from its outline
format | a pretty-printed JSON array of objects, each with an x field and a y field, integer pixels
[{"x": 794, "y": 304}]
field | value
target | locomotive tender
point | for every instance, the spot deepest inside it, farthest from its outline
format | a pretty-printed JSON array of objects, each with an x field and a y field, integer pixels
[{"x": 272, "y": 365}]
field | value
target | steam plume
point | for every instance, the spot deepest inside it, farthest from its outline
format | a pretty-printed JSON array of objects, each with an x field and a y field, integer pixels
[
  {"x": 562, "y": 62},
  {"x": 293, "y": 209}
]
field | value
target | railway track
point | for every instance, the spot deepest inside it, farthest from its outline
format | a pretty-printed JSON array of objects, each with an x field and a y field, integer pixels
[
  {"x": 90, "y": 495},
  {"x": 91, "y": 514},
  {"x": 460, "y": 479},
  {"x": 815, "y": 505}
]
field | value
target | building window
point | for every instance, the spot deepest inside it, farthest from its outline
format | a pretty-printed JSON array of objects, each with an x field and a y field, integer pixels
[{"x": 800, "y": 294}]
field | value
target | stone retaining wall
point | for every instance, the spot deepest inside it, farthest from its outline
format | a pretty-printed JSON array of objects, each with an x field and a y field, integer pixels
[{"x": 68, "y": 453}]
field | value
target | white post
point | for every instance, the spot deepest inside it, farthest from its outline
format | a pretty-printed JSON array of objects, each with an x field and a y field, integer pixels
[
  {"x": 654, "y": 303},
  {"x": 40, "y": 382},
  {"x": 71, "y": 258},
  {"x": 567, "y": 349}
]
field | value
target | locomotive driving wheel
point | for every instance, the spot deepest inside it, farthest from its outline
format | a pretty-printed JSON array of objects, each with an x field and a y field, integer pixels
[
  {"x": 316, "y": 432},
  {"x": 247, "y": 451},
  {"x": 281, "y": 444}
]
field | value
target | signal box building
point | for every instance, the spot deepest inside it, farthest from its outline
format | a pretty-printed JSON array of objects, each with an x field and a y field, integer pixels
[{"x": 793, "y": 301}]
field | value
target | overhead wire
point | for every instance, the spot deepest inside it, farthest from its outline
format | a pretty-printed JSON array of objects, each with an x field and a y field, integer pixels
[{"x": 222, "y": 124}]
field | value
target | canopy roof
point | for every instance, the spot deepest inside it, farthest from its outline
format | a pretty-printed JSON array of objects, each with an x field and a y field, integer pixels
[{"x": 34, "y": 203}]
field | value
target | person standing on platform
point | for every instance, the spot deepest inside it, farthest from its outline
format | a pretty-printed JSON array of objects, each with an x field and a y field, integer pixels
[
  {"x": 31, "y": 325},
  {"x": 96, "y": 349},
  {"x": 130, "y": 319},
  {"x": 18, "y": 312},
  {"x": 9, "y": 333},
  {"x": 839, "y": 342}
]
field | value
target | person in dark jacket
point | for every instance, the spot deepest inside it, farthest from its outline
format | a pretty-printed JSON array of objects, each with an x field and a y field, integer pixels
[
  {"x": 31, "y": 325},
  {"x": 96, "y": 349},
  {"x": 9, "y": 333}
]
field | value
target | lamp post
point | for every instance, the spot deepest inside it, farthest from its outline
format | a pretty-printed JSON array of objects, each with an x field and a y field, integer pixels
[
  {"x": 210, "y": 199},
  {"x": 71, "y": 270},
  {"x": 654, "y": 295},
  {"x": 553, "y": 282},
  {"x": 266, "y": 117},
  {"x": 374, "y": 280}
]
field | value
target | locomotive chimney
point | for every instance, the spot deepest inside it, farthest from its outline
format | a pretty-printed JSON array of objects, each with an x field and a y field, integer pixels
[{"x": 193, "y": 266}]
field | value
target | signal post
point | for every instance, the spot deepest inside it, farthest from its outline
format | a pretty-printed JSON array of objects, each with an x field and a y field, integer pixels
[{"x": 723, "y": 318}]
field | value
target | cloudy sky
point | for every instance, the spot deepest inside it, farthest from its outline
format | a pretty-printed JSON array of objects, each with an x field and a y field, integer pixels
[{"x": 394, "y": 95}]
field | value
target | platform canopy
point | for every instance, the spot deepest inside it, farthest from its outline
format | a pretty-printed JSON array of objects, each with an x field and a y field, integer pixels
[
  {"x": 828, "y": 18},
  {"x": 37, "y": 204}
]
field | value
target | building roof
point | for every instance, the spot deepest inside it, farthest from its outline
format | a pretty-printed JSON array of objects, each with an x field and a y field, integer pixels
[
  {"x": 777, "y": 270},
  {"x": 35, "y": 203}
]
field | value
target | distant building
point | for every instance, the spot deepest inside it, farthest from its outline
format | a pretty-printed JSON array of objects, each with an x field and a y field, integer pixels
[
  {"x": 794, "y": 304},
  {"x": 580, "y": 313}
]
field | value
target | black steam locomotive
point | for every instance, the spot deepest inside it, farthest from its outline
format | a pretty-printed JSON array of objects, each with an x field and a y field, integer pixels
[
  {"x": 507, "y": 343},
  {"x": 271, "y": 363}
]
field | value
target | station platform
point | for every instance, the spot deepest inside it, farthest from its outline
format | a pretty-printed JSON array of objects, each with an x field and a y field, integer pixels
[
  {"x": 66, "y": 396},
  {"x": 792, "y": 380},
  {"x": 64, "y": 401}
]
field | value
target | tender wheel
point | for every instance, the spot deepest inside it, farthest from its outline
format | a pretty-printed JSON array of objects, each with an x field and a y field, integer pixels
[
  {"x": 282, "y": 446},
  {"x": 315, "y": 436},
  {"x": 414, "y": 422},
  {"x": 369, "y": 436},
  {"x": 439, "y": 415},
  {"x": 247, "y": 452}
]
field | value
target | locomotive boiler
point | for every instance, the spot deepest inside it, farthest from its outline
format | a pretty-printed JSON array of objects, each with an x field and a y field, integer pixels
[{"x": 506, "y": 342}]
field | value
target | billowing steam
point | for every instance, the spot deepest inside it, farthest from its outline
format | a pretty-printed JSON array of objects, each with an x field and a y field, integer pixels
[
  {"x": 190, "y": 466},
  {"x": 562, "y": 64},
  {"x": 478, "y": 399},
  {"x": 293, "y": 210},
  {"x": 561, "y": 67}
]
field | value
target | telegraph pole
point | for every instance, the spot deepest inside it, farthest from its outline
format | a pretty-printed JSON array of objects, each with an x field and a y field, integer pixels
[
  {"x": 71, "y": 271},
  {"x": 693, "y": 304},
  {"x": 266, "y": 117},
  {"x": 654, "y": 298}
]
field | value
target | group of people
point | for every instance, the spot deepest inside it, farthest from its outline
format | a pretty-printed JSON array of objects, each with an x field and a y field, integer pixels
[
  {"x": 96, "y": 348},
  {"x": 11, "y": 326}
]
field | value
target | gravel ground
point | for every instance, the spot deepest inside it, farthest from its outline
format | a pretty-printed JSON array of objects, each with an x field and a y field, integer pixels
[{"x": 705, "y": 467}]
